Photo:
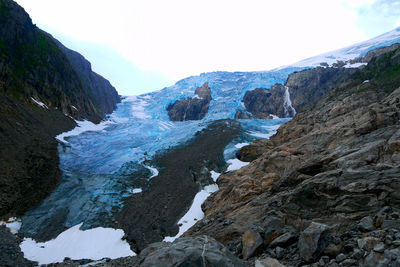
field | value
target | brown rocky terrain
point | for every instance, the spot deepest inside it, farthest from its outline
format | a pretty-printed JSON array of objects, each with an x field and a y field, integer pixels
[
  {"x": 325, "y": 187},
  {"x": 191, "y": 108}
]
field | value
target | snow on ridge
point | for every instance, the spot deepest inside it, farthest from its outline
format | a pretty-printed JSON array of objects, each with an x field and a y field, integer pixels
[
  {"x": 94, "y": 244},
  {"x": 355, "y": 65},
  {"x": 43, "y": 105},
  {"x": 349, "y": 52}
]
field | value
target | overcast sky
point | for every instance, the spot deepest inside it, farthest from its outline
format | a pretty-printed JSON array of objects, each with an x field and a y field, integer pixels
[{"x": 145, "y": 45}]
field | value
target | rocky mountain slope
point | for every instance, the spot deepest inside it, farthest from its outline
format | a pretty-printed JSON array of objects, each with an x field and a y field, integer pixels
[
  {"x": 43, "y": 85},
  {"x": 325, "y": 188}
]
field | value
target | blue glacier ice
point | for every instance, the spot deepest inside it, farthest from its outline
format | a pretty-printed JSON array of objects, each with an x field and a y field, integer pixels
[{"x": 100, "y": 168}]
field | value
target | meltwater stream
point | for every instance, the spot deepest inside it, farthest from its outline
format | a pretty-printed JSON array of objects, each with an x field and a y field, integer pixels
[{"x": 100, "y": 168}]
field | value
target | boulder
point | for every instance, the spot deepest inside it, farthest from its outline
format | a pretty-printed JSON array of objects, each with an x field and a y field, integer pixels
[
  {"x": 368, "y": 243},
  {"x": 284, "y": 240},
  {"x": 252, "y": 243},
  {"x": 366, "y": 224},
  {"x": 188, "y": 251},
  {"x": 311, "y": 243},
  {"x": 375, "y": 260}
]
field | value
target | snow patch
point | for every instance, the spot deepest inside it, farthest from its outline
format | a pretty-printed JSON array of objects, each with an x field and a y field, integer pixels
[
  {"x": 83, "y": 126},
  {"x": 240, "y": 145},
  {"x": 271, "y": 130},
  {"x": 13, "y": 224},
  {"x": 94, "y": 244},
  {"x": 195, "y": 213},
  {"x": 366, "y": 81},
  {"x": 136, "y": 190},
  {"x": 197, "y": 97},
  {"x": 236, "y": 164},
  {"x": 354, "y": 65},
  {"x": 74, "y": 107},
  {"x": 39, "y": 103},
  {"x": 153, "y": 170},
  {"x": 274, "y": 117},
  {"x": 214, "y": 175}
]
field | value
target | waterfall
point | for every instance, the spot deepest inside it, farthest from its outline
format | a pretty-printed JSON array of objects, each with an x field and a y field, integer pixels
[{"x": 287, "y": 104}]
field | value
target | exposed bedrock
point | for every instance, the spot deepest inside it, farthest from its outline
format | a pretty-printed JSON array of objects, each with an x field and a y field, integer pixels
[
  {"x": 336, "y": 164},
  {"x": 305, "y": 87},
  {"x": 191, "y": 108}
]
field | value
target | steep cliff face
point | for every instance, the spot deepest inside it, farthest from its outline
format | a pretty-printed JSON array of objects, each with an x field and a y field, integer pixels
[
  {"x": 101, "y": 92},
  {"x": 261, "y": 103},
  {"x": 191, "y": 108},
  {"x": 305, "y": 87},
  {"x": 40, "y": 84},
  {"x": 326, "y": 183}
]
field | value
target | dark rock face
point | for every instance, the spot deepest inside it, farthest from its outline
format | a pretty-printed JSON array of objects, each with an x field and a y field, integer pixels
[
  {"x": 334, "y": 164},
  {"x": 28, "y": 154},
  {"x": 183, "y": 169},
  {"x": 10, "y": 253},
  {"x": 191, "y": 108},
  {"x": 305, "y": 87},
  {"x": 34, "y": 68},
  {"x": 101, "y": 92},
  {"x": 261, "y": 103}
]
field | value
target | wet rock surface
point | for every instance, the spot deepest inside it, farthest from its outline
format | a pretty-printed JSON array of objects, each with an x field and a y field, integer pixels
[
  {"x": 191, "y": 108},
  {"x": 305, "y": 87},
  {"x": 261, "y": 103}
]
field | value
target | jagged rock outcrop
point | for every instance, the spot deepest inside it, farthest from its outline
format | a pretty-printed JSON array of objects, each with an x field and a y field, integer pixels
[
  {"x": 308, "y": 86},
  {"x": 305, "y": 87},
  {"x": 191, "y": 108},
  {"x": 335, "y": 163},
  {"x": 261, "y": 103},
  {"x": 40, "y": 87}
]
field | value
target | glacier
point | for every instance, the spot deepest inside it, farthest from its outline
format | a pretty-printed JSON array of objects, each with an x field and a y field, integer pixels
[{"x": 103, "y": 166}]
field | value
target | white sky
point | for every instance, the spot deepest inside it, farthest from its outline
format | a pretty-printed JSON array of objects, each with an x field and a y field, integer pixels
[{"x": 143, "y": 45}]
